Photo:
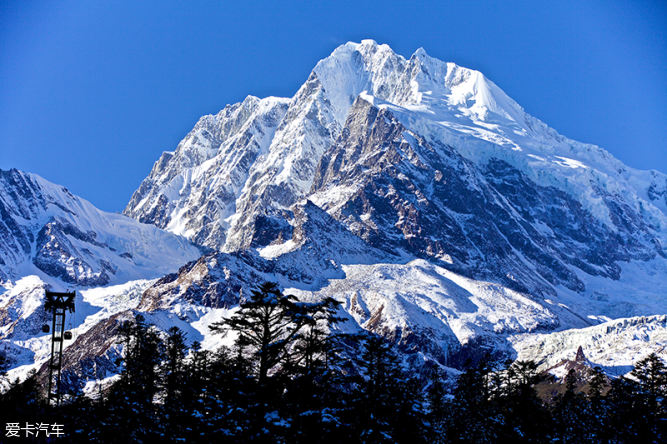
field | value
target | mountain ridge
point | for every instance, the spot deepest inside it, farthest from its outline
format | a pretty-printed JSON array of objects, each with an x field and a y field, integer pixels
[{"x": 46, "y": 230}]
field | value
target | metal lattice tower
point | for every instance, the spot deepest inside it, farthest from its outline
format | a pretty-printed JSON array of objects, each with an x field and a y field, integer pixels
[{"x": 59, "y": 304}]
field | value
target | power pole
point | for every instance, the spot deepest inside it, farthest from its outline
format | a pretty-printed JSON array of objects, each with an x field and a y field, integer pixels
[{"x": 58, "y": 303}]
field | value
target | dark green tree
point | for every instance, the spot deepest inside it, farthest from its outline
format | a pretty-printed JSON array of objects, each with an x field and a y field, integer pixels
[
  {"x": 524, "y": 418},
  {"x": 436, "y": 416},
  {"x": 570, "y": 412},
  {"x": 473, "y": 416},
  {"x": 649, "y": 395},
  {"x": 172, "y": 372},
  {"x": 387, "y": 403},
  {"x": 143, "y": 353},
  {"x": 598, "y": 405},
  {"x": 131, "y": 411},
  {"x": 313, "y": 377},
  {"x": 173, "y": 384},
  {"x": 268, "y": 323},
  {"x": 624, "y": 422}
]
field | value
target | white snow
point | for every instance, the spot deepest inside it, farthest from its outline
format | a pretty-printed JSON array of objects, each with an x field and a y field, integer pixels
[
  {"x": 614, "y": 345},
  {"x": 91, "y": 307}
]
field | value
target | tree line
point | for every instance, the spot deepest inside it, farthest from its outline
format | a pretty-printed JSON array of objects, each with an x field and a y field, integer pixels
[{"x": 288, "y": 378}]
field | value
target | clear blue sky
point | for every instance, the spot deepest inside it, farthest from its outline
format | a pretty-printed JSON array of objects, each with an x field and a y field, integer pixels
[{"x": 91, "y": 92}]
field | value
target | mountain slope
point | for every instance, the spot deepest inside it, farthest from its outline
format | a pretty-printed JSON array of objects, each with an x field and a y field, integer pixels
[
  {"x": 48, "y": 231},
  {"x": 491, "y": 222},
  {"x": 614, "y": 345}
]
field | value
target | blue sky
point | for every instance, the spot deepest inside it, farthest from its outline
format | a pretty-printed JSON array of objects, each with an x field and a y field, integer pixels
[{"x": 92, "y": 92}]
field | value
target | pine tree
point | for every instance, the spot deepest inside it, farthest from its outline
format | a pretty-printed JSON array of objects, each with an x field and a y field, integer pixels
[
  {"x": 268, "y": 324},
  {"x": 650, "y": 394},
  {"x": 387, "y": 402},
  {"x": 624, "y": 421},
  {"x": 570, "y": 412},
  {"x": 472, "y": 415},
  {"x": 437, "y": 407},
  {"x": 143, "y": 353},
  {"x": 230, "y": 395},
  {"x": 314, "y": 381},
  {"x": 131, "y": 410},
  {"x": 651, "y": 374},
  {"x": 172, "y": 373},
  {"x": 524, "y": 418},
  {"x": 172, "y": 382},
  {"x": 598, "y": 406}
]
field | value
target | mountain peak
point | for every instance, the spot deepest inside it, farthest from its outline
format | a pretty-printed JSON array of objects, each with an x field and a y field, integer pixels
[
  {"x": 420, "y": 81},
  {"x": 420, "y": 53},
  {"x": 48, "y": 231}
]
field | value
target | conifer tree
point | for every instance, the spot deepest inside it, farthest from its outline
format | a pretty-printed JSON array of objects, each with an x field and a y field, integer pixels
[
  {"x": 173, "y": 376},
  {"x": 570, "y": 412},
  {"x": 313, "y": 379},
  {"x": 623, "y": 421},
  {"x": 651, "y": 374},
  {"x": 598, "y": 406},
  {"x": 197, "y": 379},
  {"x": 268, "y": 323},
  {"x": 173, "y": 383},
  {"x": 437, "y": 407},
  {"x": 472, "y": 415},
  {"x": 523, "y": 416},
  {"x": 143, "y": 353},
  {"x": 131, "y": 410},
  {"x": 649, "y": 394},
  {"x": 387, "y": 404}
]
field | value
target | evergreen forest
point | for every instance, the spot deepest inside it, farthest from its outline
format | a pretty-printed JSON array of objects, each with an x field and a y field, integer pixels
[{"x": 290, "y": 378}]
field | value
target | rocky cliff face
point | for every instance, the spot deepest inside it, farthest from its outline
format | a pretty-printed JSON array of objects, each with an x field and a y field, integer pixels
[{"x": 397, "y": 190}]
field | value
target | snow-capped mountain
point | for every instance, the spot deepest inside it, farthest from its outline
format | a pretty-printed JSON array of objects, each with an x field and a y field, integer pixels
[
  {"x": 47, "y": 231},
  {"x": 416, "y": 192},
  {"x": 413, "y": 154},
  {"x": 52, "y": 239}
]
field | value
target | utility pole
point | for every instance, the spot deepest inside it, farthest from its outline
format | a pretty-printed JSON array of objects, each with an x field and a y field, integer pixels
[{"x": 58, "y": 303}]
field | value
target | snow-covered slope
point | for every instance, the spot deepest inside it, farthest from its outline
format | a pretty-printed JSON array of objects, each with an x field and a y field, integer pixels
[
  {"x": 614, "y": 345},
  {"x": 395, "y": 189},
  {"x": 192, "y": 191},
  {"x": 47, "y": 231},
  {"x": 22, "y": 316}
]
